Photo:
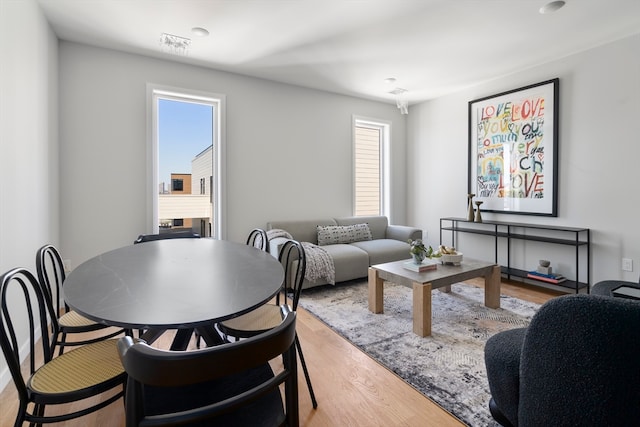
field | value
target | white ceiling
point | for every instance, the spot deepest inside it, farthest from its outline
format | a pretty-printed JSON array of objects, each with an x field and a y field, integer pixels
[{"x": 431, "y": 47}]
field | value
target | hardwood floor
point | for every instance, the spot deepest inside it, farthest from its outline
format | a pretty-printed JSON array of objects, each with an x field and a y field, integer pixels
[{"x": 352, "y": 389}]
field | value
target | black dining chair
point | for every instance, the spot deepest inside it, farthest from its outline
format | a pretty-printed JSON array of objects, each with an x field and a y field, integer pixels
[
  {"x": 293, "y": 259},
  {"x": 232, "y": 384},
  {"x": 258, "y": 239},
  {"x": 80, "y": 373},
  {"x": 168, "y": 235},
  {"x": 51, "y": 275}
]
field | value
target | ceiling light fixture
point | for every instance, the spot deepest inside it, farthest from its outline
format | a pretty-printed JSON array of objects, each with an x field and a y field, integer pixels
[
  {"x": 552, "y": 7},
  {"x": 200, "y": 32},
  {"x": 401, "y": 101},
  {"x": 174, "y": 44},
  {"x": 390, "y": 80}
]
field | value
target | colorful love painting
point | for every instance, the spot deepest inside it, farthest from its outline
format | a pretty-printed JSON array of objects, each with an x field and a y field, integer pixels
[{"x": 513, "y": 146}]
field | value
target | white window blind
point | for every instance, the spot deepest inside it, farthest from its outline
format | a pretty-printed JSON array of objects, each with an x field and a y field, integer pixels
[{"x": 367, "y": 171}]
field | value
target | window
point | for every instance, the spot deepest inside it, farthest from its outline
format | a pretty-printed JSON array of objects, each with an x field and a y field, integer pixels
[
  {"x": 177, "y": 185},
  {"x": 369, "y": 167},
  {"x": 176, "y": 121}
]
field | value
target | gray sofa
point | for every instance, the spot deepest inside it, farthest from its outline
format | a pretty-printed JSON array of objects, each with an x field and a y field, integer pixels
[{"x": 351, "y": 260}]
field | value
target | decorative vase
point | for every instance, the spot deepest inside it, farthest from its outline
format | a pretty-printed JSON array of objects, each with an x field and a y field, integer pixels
[
  {"x": 418, "y": 258},
  {"x": 470, "y": 207},
  {"x": 478, "y": 216}
]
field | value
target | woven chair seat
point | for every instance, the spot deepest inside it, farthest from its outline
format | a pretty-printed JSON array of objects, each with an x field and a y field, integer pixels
[
  {"x": 51, "y": 275},
  {"x": 74, "y": 319},
  {"x": 262, "y": 319},
  {"x": 88, "y": 371},
  {"x": 76, "y": 369}
]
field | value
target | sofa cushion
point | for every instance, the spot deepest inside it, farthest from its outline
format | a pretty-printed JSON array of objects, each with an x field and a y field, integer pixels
[
  {"x": 350, "y": 262},
  {"x": 384, "y": 250},
  {"x": 333, "y": 234},
  {"x": 377, "y": 224}
]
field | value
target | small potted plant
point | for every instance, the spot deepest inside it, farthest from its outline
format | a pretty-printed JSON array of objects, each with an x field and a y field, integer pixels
[{"x": 419, "y": 251}]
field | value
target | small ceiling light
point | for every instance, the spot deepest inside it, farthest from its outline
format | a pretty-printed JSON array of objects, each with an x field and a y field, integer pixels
[
  {"x": 390, "y": 80},
  {"x": 200, "y": 32},
  {"x": 174, "y": 44},
  {"x": 552, "y": 7}
]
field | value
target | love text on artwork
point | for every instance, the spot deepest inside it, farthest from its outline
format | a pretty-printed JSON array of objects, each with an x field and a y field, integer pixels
[
  {"x": 510, "y": 149},
  {"x": 525, "y": 109}
]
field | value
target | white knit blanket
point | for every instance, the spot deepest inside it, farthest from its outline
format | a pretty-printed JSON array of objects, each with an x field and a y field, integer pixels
[{"x": 319, "y": 264}]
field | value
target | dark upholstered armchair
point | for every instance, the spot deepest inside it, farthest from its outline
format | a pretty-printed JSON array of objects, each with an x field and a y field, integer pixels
[
  {"x": 606, "y": 287},
  {"x": 577, "y": 364}
]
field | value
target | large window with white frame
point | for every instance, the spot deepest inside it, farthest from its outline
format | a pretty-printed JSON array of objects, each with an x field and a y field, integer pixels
[
  {"x": 370, "y": 146},
  {"x": 213, "y": 216}
]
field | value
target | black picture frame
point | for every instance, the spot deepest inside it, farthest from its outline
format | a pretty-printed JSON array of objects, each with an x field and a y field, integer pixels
[{"x": 513, "y": 150}]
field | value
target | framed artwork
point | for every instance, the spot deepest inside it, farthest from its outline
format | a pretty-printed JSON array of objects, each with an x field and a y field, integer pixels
[{"x": 513, "y": 150}]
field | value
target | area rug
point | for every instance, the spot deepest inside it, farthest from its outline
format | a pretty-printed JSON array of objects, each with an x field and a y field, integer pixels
[{"x": 448, "y": 366}]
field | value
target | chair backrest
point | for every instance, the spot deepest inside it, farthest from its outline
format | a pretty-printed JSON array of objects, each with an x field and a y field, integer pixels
[
  {"x": 579, "y": 363},
  {"x": 20, "y": 291},
  {"x": 203, "y": 371},
  {"x": 169, "y": 235},
  {"x": 294, "y": 261},
  {"x": 51, "y": 275},
  {"x": 258, "y": 239}
]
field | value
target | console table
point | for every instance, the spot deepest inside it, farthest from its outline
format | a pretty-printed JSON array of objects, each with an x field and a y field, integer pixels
[{"x": 569, "y": 236}]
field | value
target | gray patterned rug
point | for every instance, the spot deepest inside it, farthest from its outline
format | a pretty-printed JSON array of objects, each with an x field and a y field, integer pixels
[{"x": 448, "y": 367}]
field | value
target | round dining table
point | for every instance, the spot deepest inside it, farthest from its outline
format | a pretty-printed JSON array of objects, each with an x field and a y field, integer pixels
[{"x": 183, "y": 284}]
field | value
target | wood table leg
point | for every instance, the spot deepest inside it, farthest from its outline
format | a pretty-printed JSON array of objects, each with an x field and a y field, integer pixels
[
  {"x": 422, "y": 309},
  {"x": 492, "y": 288},
  {"x": 375, "y": 291}
]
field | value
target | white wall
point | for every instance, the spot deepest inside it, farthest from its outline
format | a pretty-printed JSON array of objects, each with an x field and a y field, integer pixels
[
  {"x": 599, "y": 150},
  {"x": 29, "y": 209},
  {"x": 289, "y": 148}
]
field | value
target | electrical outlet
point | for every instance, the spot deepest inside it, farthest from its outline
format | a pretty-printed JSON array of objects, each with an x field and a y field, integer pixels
[
  {"x": 67, "y": 265},
  {"x": 627, "y": 264}
]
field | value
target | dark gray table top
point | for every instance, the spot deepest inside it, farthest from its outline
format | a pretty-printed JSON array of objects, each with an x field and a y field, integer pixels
[
  {"x": 443, "y": 275},
  {"x": 174, "y": 283}
]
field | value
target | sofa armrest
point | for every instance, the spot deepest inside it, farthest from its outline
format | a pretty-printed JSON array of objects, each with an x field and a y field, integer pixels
[
  {"x": 275, "y": 245},
  {"x": 403, "y": 233}
]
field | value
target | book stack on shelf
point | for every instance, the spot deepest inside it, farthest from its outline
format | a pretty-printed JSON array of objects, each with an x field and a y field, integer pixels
[
  {"x": 427, "y": 265},
  {"x": 549, "y": 278}
]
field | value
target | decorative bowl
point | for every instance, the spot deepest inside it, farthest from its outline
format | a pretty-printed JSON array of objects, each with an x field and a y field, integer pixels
[{"x": 451, "y": 259}]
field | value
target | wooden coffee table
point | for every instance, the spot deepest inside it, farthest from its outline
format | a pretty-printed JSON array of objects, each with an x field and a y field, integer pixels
[{"x": 423, "y": 283}]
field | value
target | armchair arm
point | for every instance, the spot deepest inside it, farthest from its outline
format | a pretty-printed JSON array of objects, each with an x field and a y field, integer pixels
[
  {"x": 403, "y": 233},
  {"x": 502, "y": 360}
]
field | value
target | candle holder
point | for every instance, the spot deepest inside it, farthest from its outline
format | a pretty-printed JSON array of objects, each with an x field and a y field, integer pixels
[
  {"x": 470, "y": 207},
  {"x": 478, "y": 216}
]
